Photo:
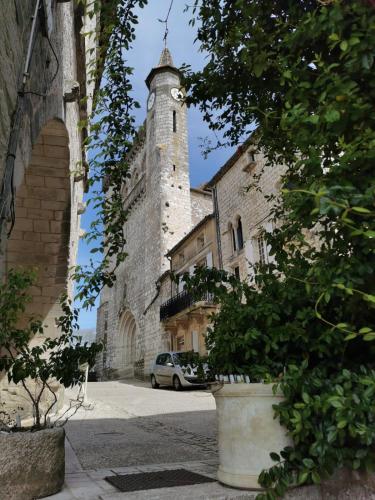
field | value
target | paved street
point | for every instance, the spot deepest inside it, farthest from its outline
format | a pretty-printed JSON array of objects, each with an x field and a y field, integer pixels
[
  {"x": 132, "y": 424},
  {"x": 128, "y": 428}
]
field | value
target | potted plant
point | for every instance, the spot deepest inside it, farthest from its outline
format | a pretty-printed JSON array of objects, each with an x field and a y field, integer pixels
[
  {"x": 308, "y": 409},
  {"x": 32, "y": 459}
]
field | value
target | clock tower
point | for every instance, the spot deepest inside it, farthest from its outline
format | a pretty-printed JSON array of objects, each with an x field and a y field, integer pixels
[
  {"x": 157, "y": 199},
  {"x": 167, "y": 158}
]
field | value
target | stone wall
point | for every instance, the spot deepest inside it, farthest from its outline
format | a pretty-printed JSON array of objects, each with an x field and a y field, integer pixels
[
  {"x": 241, "y": 193},
  {"x": 157, "y": 196},
  {"x": 201, "y": 204},
  {"x": 48, "y": 192}
]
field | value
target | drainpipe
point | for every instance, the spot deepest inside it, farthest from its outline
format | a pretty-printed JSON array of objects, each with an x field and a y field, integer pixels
[
  {"x": 7, "y": 188},
  {"x": 217, "y": 223}
]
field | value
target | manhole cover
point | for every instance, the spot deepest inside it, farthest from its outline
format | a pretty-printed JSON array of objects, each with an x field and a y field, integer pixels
[{"x": 159, "y": 479}]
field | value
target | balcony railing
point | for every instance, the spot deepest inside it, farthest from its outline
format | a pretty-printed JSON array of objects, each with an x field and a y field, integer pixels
[{"x": 181, "y": 301}]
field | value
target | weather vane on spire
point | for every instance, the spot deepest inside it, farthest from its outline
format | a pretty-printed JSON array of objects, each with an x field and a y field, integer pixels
[{"x": 165, "y": 21}]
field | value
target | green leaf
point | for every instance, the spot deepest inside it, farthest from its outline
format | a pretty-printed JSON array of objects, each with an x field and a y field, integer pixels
[
  {"x": 369, "y": 298},
  {"x": 315, "y": 477},
  {"x": 344, "y": 45},
  {"x": 365, "y": 329},
  {"x": 258, "y": 68},
  {"x": 369, "y": 336},
  {"x": 367, "y": 61},
  {"x": 332, "y": 116},
  {"x": 334, "y": 37},
  {"x": 361, "y": 210},
  {"x": 342, "y": 424},
  {"x": 306, "y": 397},
  {"x": 302, "y": 477},
  {"x": 307, "y": 462}
]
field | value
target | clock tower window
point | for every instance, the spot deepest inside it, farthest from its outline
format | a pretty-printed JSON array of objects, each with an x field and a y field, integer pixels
[{"x": 174, "y": 121}]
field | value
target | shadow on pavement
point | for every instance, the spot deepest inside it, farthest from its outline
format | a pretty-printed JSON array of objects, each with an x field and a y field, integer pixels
[{"x": 164, "y": 438}]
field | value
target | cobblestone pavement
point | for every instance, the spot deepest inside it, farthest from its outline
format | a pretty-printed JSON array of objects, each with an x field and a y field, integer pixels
[{"x": 129, "y": 424}]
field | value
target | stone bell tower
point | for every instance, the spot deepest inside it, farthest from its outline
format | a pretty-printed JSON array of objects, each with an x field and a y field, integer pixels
[
  {"x": 167, "y": 160},
  {"x": 157, "y": 197}
]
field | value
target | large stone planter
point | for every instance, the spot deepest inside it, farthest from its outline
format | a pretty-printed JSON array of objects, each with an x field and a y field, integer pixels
[
  {"x": 32, "y": 464},
  {"x": 248, "y": 433}
]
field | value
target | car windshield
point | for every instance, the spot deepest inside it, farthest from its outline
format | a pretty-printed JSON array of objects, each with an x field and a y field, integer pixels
[{"x": 178, "y": 357}]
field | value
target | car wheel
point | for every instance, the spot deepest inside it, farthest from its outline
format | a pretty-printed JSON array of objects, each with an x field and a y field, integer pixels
[
  {"x": 177, "y": 383},
  {"x": 154, "y": 384}
]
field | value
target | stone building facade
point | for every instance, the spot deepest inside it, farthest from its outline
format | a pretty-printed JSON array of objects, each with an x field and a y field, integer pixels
[
  {"x": 186, "y": 318},
  {"x": 44, "y": 64},
  {"x": 172, "y": 227},
  {"x": 162, "y": 210},
  {"x": 242, "y": 189}
]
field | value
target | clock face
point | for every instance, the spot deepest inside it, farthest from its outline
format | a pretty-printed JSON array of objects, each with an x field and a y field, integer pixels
[
  {"x": 150, "y": 101},
  {"x": 177, "y": 94}
]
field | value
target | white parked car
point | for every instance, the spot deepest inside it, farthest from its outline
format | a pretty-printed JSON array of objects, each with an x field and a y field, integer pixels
[{"x": 168, "y": 370}]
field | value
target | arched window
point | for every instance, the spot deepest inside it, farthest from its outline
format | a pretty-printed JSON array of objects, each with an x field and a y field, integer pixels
[
  {"x": 174, "y": 121},
  {"x": 239, "y": 234}
]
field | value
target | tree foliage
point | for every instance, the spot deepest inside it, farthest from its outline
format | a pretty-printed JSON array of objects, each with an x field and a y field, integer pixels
[
  {"x": 112, "y": 133},
  {"x": 52, "y": 359},
  {"x": 302, "y": 72}
]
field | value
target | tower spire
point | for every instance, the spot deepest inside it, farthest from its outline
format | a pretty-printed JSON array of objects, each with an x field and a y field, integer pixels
[
  {"x": 166, "y": 58},
  {"x": 165, "y": 64}
]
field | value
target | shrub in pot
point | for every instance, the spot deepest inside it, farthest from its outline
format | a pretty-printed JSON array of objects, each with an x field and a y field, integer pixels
[
  {"x": 32, "y": 461},
  {"x": 269, "y": 331},
  {"x": 304, "y": 76}
]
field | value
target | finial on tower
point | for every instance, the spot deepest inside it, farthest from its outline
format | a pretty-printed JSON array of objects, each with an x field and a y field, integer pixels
[{"x": 166, "y": 58}]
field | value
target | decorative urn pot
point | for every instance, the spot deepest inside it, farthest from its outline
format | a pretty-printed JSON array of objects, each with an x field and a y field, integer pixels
[{"x": 248, "y": 432}]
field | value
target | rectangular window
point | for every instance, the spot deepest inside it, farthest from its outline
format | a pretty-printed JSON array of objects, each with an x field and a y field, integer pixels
[
  {"x": 237, "y": 272},
  {"x": 200, "y": 242},
  {"x": 195, "y": 341},
  {"x": 251, "y": 156},
  {"x": 262, "y": 251},
  {"x": 180, "y": 343},
  {"x": 174, "y": 121}
]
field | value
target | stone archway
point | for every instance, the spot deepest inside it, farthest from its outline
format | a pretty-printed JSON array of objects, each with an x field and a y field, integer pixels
[
  {"x": 40, "y": 241},
  {"x": 40, "y": 237},
  {"x": 128, "y": 338}
]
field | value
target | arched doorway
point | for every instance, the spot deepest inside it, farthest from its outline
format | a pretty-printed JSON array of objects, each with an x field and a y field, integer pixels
[{"x": 127, "y": 348}]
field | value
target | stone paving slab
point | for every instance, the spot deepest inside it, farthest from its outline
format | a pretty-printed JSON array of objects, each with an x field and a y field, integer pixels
[{"x": 91, "y": 485}]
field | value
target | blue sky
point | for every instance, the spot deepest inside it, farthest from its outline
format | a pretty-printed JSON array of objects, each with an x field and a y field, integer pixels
[{"x": 144, "y": 55}]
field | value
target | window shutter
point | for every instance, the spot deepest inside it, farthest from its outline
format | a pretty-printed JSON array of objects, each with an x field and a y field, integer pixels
[
  {"x": 195, "y": 341},
  {"x": 249, "y": 251},
  {"x": 181, "y": 284},
  {"x": 209, "y": 260}
]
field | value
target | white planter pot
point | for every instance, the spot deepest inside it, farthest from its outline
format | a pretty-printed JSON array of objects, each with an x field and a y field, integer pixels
[{"x": 248, "y": 433}]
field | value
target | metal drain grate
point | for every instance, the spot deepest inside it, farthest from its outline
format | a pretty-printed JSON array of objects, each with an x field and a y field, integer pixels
[{"x": 159, "y": 479}]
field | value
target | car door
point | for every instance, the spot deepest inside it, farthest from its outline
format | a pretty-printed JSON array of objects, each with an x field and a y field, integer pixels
[
  {"x": 159, "y": 367},
  {"x": 169, "y": 369}
]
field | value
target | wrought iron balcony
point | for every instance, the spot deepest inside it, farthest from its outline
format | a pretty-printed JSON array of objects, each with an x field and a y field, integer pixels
[{"x": 181, "y": 301}]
